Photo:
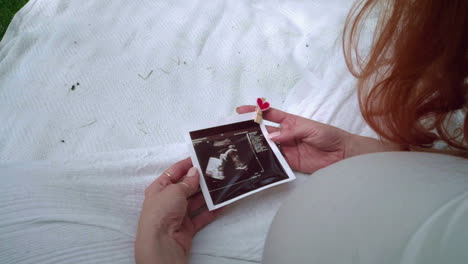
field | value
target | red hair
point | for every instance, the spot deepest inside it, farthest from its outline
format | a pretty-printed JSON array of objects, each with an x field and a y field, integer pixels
[{"x": 414, "y": 79}]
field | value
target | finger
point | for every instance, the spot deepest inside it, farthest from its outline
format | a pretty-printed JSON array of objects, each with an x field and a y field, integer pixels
[
  {"x": 190, "y": 183},
  {"x": 204, "y": 219},
  {"x": 195, "y": 203},
  {"x": 172, "y": 175},
  {"x": 272, "y": 129},
  {"x": 272, "y": 114},
  {"x": 243, "y": 109},
  {"x": 274, "y": 134},
  {"x": 178, "y": 170},
  {"x": 291, "y": 127}
]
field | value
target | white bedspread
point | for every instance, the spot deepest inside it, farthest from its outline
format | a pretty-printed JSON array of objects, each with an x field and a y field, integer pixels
[{"x": 76, "y": 158}]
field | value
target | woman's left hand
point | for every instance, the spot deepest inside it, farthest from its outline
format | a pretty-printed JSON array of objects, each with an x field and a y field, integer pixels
[{"x": 167, "y": 225}]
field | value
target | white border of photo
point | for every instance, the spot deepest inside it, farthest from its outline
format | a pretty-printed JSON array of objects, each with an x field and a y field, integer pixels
[{"x": 227, "y": 121}]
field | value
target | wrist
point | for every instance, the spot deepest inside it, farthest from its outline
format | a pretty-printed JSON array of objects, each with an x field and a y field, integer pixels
[
  {"x": 158, "y": 248},
  {"x": 169, "y": 251},
  {"x": 359, "y": 145}
]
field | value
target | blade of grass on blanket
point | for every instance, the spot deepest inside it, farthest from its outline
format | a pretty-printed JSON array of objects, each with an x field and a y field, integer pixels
[{"x": 8, "y": 9}]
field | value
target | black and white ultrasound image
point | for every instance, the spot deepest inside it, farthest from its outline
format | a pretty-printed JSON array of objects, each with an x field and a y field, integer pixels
[{"x": 235, "y": 159}]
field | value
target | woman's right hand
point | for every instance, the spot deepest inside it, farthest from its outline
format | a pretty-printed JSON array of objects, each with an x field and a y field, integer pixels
[{"x": 309, "y": 145}]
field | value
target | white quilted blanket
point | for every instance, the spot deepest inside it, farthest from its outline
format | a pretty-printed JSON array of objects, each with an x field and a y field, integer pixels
[{"x": 95, "y": 96}]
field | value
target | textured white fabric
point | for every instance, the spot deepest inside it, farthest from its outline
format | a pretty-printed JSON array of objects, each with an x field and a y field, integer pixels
[
  {"x": 86, "y": 210},
  {"x": 205, "y": 58},
  {"x": 76, "y": 162}
]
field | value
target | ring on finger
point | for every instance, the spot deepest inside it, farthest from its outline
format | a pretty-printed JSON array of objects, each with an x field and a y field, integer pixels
[{"x": 167, "y": 174}]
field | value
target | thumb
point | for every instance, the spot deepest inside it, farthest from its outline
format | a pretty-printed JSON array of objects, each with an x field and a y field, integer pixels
[
  {"x": 190, "y": 182},
  {"x": 281, "y": 136}
]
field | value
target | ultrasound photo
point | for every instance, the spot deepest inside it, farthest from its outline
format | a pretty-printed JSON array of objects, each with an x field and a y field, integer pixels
[{"x": 236, "y": 160}]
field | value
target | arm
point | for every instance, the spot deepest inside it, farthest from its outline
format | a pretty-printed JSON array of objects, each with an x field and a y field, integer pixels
[
  {"x": 167, "y": 222},
  {"x": 359, "y": 145}
]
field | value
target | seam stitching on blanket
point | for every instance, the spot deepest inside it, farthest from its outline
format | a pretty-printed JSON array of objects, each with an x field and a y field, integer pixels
[
  {"x": 210, "y": 255},
  {"x": 211, "y": 31}
]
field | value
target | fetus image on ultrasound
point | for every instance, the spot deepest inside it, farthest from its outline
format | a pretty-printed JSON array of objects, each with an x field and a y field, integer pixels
[
  {"x": 235, "y": 159},
  {"x": 218, "y": 166}
]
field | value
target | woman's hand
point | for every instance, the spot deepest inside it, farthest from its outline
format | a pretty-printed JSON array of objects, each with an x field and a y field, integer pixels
[
  {"x": 167, "y": 224},
  {"x": 309, "y": 145}
]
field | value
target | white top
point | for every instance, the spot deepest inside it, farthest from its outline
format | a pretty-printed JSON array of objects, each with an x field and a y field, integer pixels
[{"x": 378, "y": 208}]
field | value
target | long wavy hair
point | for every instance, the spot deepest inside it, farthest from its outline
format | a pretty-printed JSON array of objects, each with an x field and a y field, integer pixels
[{"x": 414, "y": 79}]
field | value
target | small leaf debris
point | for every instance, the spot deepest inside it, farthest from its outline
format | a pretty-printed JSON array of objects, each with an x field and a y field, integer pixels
[
  {"x": 147, "y": 76},
  {"x": 74, "y": 86},
  {"x": 89, "y": 124},
  {"x": 166, "y": 72}
]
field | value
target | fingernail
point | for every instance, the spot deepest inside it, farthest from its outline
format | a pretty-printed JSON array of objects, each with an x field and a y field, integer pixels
[
  {"x": 237, "y": 109},
  {"x": 274, "y": 134},
  {"x": 192, "y": 172}
]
